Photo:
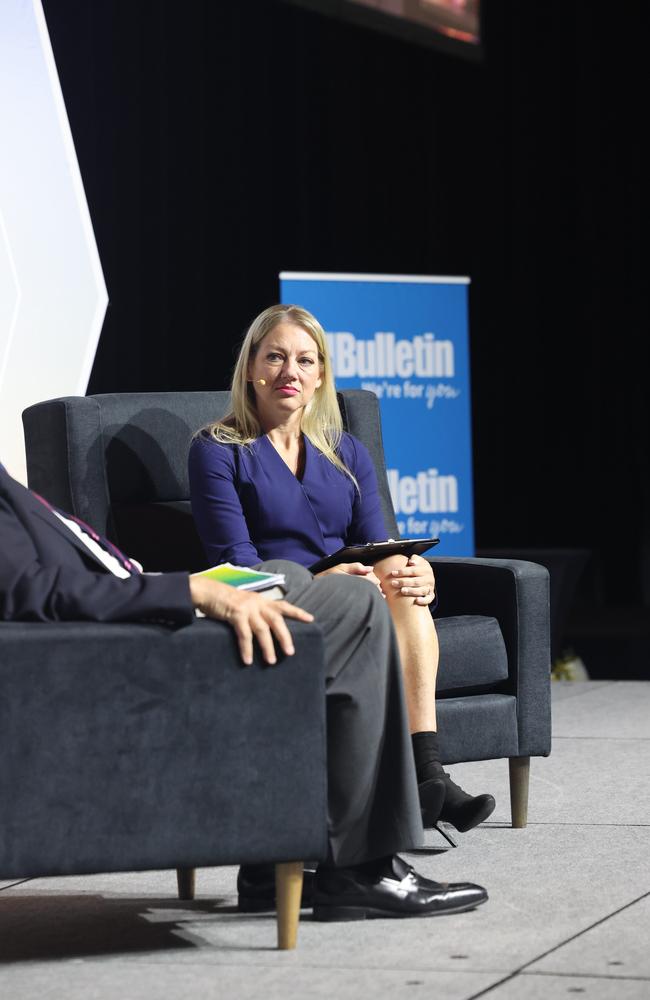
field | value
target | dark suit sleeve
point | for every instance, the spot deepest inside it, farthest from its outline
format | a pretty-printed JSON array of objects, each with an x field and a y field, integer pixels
[{"x": 31, "y": 591}]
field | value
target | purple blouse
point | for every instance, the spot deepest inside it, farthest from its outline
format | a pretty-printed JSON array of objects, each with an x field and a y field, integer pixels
[{"x": 248, "y": 506}]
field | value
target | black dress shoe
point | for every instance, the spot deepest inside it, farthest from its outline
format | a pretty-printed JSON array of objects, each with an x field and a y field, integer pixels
[
  {"x": 432, "y": 797},
  {"x": 462, "y": 810},
  {"x": 395, "y": 891},
  {"x": 256, "y": 888}
]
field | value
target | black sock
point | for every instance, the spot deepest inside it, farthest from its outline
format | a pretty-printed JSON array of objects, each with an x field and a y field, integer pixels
[
  {"x": 376, "y": 867},
  {"x": 427, "y": 756}
]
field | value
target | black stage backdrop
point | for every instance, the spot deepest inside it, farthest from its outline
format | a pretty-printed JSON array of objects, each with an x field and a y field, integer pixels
[{"x": 222, "y": 142}]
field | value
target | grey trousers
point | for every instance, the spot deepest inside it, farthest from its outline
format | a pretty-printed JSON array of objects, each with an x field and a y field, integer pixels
[{"x": 373, "y": 800}]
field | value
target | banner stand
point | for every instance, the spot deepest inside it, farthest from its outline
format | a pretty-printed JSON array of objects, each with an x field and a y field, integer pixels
[{"x": 405, "y": 338}]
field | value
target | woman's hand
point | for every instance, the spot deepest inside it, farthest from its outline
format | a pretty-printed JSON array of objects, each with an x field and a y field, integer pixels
[
  {"x": 250, "y": 615},
  {"x": 354, "y": 569},
  {"x": 415, "y": 579}
]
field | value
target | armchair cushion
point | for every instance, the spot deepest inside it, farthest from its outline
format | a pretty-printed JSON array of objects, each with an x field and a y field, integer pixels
[{"x": 472, "y": 653}]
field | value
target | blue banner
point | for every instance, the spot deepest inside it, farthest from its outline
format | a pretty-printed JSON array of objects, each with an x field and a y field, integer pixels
[{"x": 406, "y": 339}]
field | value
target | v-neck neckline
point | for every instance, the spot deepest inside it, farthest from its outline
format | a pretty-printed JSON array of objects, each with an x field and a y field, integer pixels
[{"x": 299, "y": 479}]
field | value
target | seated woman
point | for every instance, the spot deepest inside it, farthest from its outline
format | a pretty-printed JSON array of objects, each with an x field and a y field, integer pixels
[{"x": 278, "y": 478}]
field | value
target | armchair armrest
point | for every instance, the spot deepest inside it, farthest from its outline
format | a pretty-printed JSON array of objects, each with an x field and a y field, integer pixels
[
  {"x": 135, "y": 746},
  {"x": 516, "y": 593}
]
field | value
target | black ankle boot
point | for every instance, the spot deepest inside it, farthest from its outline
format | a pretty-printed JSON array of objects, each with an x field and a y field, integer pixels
[
  {"x": 432, "y": 797},
  {"x": 462, "y": 810}
]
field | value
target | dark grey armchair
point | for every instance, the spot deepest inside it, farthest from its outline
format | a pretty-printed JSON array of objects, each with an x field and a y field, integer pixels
[
  {"x": 119, "y": 461},
  {"x": 133, "y": 747},
  {"x": 494, "y": 682}
]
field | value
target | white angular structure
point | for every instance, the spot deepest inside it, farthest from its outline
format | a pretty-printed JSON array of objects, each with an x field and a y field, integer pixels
[{"x": 52, "y": 292}]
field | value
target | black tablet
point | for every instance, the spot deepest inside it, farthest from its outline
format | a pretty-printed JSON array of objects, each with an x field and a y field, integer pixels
[{"x": 372, "y": 552}]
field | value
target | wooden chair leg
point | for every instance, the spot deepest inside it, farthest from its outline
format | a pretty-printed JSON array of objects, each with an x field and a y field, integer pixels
[
  {"x": 185, "y": 878},
  {"x": 519, "y": 775},
  {"x": 288, "y": 891}
]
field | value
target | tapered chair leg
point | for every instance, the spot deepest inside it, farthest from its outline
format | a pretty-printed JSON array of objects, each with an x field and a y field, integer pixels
[
  {"x": 519, "y": 776},
  {"x": 288, "y": 892},
  {"x": 186, "y": 882}
]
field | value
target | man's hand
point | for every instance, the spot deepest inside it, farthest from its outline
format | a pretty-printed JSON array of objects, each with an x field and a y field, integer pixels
[
  {"x": 354, "y": 569},
  {"x": 250, "y": 614}
]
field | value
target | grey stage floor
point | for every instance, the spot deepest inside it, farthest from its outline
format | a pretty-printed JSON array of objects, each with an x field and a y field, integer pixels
[{"x": 569, "y": 908}]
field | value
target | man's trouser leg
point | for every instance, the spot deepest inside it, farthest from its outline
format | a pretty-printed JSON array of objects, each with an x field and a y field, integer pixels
[{"x": 373, "y": 802}]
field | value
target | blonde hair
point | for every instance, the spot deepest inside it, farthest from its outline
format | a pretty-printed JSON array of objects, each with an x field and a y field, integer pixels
[{"x": 321, "y": 418}]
